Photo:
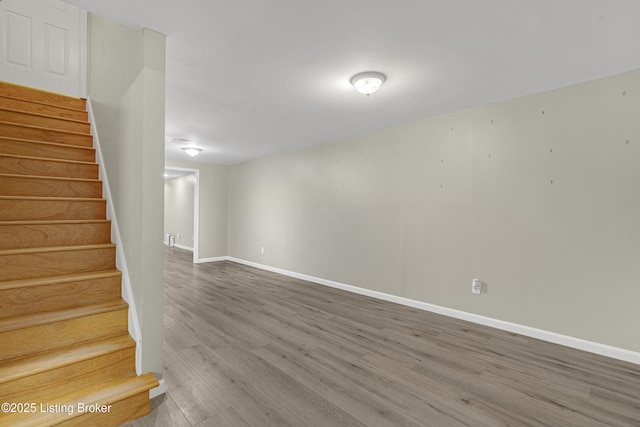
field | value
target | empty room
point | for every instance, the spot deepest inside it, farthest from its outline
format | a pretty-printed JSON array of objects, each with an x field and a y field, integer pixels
[{"x": 296, "y": 213}]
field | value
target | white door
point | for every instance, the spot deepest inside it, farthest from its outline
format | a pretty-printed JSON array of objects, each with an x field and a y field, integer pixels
[{"x": 43, "y": 45}]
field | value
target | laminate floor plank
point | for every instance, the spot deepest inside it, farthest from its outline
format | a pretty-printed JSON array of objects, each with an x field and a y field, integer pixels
[
  {"x": 317, "y": 372},
  {"x": 164, "y": 413},
  {"x": 301, "y": 405},
  {"x": 448, "y": 399},
  {"x": 196, "y": 398},
  {"x": 228, "y": 418},
  {"x": 250, "y": 348}
]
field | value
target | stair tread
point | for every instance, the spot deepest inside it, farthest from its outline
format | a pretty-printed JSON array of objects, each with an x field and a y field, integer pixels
[
  {"x": 50, "y": 150},
  {"x": 57, "y": 358},
  {"x": 40, "y": 108},
  {"x": 35, "y": 319},
  {"x": 51, "y": 178},
  {"x": 20, "y": 251},
  {"x": 25, "y": 93},
  {"x": 35, "y": 141},
  {"x": 44, "y": 128},
  {"x": 73, "y": 199},
  {"x": 46, "y": 116},
  {"x": 56, "y": 222},
  {"x": 48, "y": 280},
  {"x": 104, "y": 394},
  {"x": 47, "y": 159},
  {"x": 17, "y": 208}
]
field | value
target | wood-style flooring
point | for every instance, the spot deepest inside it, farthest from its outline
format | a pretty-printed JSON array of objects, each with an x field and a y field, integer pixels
[{"x": 245, "y": 347}]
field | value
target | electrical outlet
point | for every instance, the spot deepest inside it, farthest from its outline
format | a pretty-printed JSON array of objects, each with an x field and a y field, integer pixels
[
  {"x": 178, "y": 236},
  {"x": 262, "y": 250},
  {"x": 476, "y": 287}
]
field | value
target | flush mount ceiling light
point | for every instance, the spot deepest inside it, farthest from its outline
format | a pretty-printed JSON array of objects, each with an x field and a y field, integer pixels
[
  {"x": 368, "y": 82},
  {"x": 192, "y": 151}
]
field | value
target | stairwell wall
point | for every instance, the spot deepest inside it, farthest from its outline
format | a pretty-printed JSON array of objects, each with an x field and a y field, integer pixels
[{"x": 126, "y": 84}]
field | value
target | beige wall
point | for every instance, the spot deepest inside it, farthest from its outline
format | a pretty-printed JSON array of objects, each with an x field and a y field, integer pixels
[
  {"x": 126, "y": 84},
  {"x": 178, "y": 209},
  {"x": 213, "y": 207},
  {"x": 537, "y": 197}
]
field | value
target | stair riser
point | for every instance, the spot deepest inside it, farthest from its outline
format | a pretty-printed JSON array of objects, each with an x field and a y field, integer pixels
[
  {"x": 42, "y": 187},
  {"x": 35, "y": 149},
  {"x": 120, "y": 413},
  {"x": 28, "y": 210},
  {"x": 45, "y": 135},
  {"x": 48, "y": 235},
  {"x": 38, "y": 387},
  {"x": 34, "y": 95},
  {"x": 58, "y": 296},
  {"x": 36, "y": 339},
  {"x": 48, "y": 110},
  {"x": 43, "y": 264},
  {"x": 43, "y": 121},
  {"x": 42, "y": 167}
]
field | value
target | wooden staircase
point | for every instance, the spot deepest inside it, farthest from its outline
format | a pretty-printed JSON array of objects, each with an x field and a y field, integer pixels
[{"x": 64, "y": 343}]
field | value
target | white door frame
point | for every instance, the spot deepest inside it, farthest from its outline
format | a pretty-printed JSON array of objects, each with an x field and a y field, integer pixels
[{"x": 196, "y": 208}]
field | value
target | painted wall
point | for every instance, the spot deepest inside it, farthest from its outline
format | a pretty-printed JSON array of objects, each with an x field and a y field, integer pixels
[
  {"x": 178, "y": 209},
  {"x": 126, "y": 84},
  {"x": 213, "y": 207},
  {"x": 536, "y": 196}
]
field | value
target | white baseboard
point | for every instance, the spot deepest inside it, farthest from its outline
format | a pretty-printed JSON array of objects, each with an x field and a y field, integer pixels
[
  {"x": 157, "y": 391},
  {"x": 565, "y": 340},
  {"x": 186, "y": 248},
  {"x": 216, "y": 259}
]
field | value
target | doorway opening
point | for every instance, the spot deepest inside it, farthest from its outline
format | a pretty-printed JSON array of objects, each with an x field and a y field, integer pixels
[{"x": 181, "y": 208}]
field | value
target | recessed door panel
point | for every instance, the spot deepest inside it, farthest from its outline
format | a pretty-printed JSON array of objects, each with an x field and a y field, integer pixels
[
  {"x": 18, "y": 29},
  {"x": 56, "y": 58}
]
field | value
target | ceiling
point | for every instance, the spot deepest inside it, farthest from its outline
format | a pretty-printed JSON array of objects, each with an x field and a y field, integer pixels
[{"x": 248, "y": 78}]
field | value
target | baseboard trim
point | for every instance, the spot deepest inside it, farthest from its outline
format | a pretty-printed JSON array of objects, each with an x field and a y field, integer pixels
[
  {"x": 158, "y": 391},
  {"x": 215, "y": 259},
  {"x": 186, "y": 248},
  {"x": 565, "y": 340}
]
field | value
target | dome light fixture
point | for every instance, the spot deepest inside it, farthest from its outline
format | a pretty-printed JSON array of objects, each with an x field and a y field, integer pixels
[
  {"x": 368, "y": 82},
  {"x": 192, "y": 151}
]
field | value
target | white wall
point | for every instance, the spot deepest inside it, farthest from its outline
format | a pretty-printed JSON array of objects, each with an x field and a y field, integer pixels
[
  {"x": 536, "y": 196},
  {"x": 213, "y": 207},
  {"x": 126, "y": 84},
  {"x": 178, "y": 209}
]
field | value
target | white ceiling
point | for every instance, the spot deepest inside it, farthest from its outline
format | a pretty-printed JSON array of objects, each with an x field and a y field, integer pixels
[{"x": 247, "y": 78}]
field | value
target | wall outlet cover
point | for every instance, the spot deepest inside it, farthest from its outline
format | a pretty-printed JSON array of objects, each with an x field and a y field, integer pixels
[{"x": 476, "y": 287}]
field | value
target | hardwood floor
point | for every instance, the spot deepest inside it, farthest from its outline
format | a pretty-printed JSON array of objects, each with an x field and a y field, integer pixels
[{"x": 245, "y": 347}]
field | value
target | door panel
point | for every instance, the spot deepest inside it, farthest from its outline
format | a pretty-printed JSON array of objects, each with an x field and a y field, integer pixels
[
  {"x": 42, "y": 44},
  {"x": 56, "y": 57},
  {"x": 18, "y": 40}
]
